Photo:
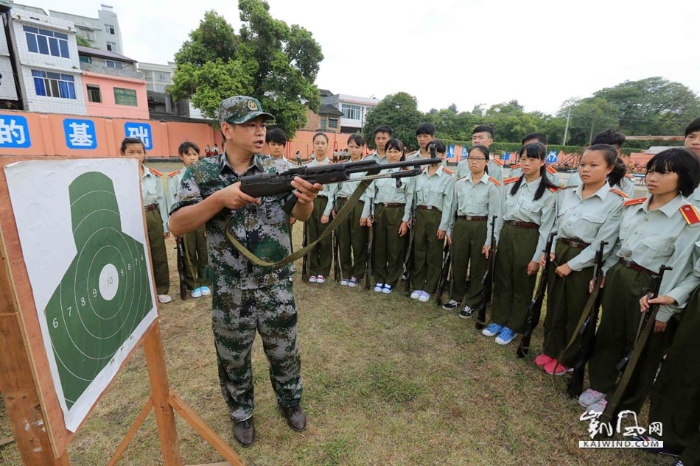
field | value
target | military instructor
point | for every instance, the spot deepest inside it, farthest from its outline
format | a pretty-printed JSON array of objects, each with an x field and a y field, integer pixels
[{"x": 247, "y": 297}]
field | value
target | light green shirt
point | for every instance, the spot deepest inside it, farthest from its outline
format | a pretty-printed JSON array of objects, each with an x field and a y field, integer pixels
[
  {"x": 416, "y": 156},
  {"x": 346, "y": 188},
  {"x": 590, "y": 220},
  {"x": 375, "y": 156},
  {"x": 435, "y": 190},
  {"x": 523, "y": 207},
  {"x": 153, "y": 193},
  {"x": 553, "y": 177},
  {"x": 661, "y": 237},
  {"x": 627, "y": 183},
  {"x": 328, "y": 189},
  {"x": 495, "y": 170},
  {"x": 384, "y": 191},
  {"x": 174, "y": 187},
  {"x": 480, "y": 199},
  {"x": 695, "y": 198}
]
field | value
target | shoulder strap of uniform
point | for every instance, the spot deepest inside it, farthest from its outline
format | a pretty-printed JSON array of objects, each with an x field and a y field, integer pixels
[
  {"x": 514, "y": 166},
  {"x": 449, "y": 172},
  {"x": 690, "y": 214},
  {"x": 494, "y": 181},
  {"x": 511, "y": 180},
  {"x": 619, "y": 193},
  {"x": 629, "y": 176},
  {"x": 637, "y": 201},
  {"x": 155, "y": 172},
  {"x": 554, "y": 189},
  {"x": 551, "y": 170},
  {"x": 171, "y": 174},
  {"x": 498, "y": 162}
]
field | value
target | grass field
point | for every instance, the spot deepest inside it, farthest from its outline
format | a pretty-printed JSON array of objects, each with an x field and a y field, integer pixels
[{"x": 387, "y": 381}]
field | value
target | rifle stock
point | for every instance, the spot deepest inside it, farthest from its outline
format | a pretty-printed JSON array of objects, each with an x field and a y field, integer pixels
[
  {"x": 487, "y": 280},
  {"x": 535, "y": 309},
  {"x": 336, "y": 256},
  {"x": 447, "y": 256},
  {"x": 368, "y": 265},
  {"x": 304, "y": 260},
  {"x": 180, "y": 246},
  {"x": 408, "y": 263}
]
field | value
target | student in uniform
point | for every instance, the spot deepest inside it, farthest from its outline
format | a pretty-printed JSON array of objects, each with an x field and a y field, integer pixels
[
  {"x": 616, "y": 139},
  {"x": 156, "y": 215},
  {"x": 353, "y": 233},
  {"x": 195, "y": 242},
  {"x": 433, "y": 202},
  {"x": 660, "y": 230},
  {"x": 586, "y": 215},
  {"x": 528, "y": 212},
  {"x": 425, "y": 133},
  {"x": 392, "y": 202},
  {"x": 476, "y": 200},
  {"x": 321, "y": 256},
  {"x": 276, "y": 140},
  {"x": 533, "y": 138},
  {"x": 382, "y": 134},
  {"x": 482, "y": 135},
  {"x": 692, "y": 142}
]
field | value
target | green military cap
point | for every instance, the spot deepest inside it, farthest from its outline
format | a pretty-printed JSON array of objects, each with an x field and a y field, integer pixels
[{"x": 241, "y": 108}]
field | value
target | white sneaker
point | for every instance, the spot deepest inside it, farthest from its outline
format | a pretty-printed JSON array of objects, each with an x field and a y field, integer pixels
[
  {"x": 386, "y": 289},
  {"x": 320, "y": 279},
  {"x": 164, "y": 298},
  {"x": 598, "y": 407},
  {"x": 590, "y": 397},
  {"x": 379, "y": 287},
  {"x": 424, "y": 297},
  {"x": 312, "y": 279},
  {"x": 196, "y": 293},
  {"x": 344, "y": 282},
  {"x": 206, "y": 291},
  {"x": 416, "y": 294},
  {"x": 353, "y": 282}
]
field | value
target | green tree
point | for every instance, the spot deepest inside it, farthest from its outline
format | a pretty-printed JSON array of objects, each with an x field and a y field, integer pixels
[
  {"x": 588, "y": 116},
  {"x": 83, "y": 42},
  {"x": 400, "y": 112},
  {"x": 269, "y": 60}
]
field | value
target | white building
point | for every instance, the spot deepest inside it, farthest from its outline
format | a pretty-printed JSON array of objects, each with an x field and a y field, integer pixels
[
  {"x": 102, "y": 32},
  {"x": 354, "y": 109},
  {"x": 49, "y": 65},
  {"x": 158, "y": 77},
  {"x": 8, "y": 86}
]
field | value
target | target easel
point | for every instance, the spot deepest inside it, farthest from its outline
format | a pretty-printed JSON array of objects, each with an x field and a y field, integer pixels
[{"x": 27, "y": 370}]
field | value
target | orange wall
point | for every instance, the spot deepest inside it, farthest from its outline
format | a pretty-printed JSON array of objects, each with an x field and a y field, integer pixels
[{"x": 108, "y": 108}]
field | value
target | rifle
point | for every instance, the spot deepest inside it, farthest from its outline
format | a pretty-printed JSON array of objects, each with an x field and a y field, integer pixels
[
  {"x": 180, "y": 246},
  {"x": 585, "y": 329},
  {"x": 368, "y": 264},
  {"x": 535, "y": 309},
  {"x": 447, "y": 251},
  {"x": 487, "y": 280},
  {"x": 279, "y": 185},
  {"x": 304, "y": 259},
  {"x": 408, "y": 263},
  {"x": 628, "y": 364},
  {"x": 336, "y": 263}
]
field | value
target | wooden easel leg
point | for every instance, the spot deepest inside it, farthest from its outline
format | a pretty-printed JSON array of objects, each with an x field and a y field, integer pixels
[
  {"x": 131, "y": 433},
  {"x": 160, "y": 392}
]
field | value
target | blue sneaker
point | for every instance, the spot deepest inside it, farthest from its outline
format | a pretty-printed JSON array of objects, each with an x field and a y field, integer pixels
[
  {"x": 492, "y": 330},
  {"x": 506, "y": 336},
  {"x": 206, "y": 291}
]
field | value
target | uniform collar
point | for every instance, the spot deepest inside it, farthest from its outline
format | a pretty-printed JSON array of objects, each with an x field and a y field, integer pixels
[
  {"x": 256, "y": 162},
  {"x": 696, "y": 194},
  {"x": 438, "y": 172},
  {"x": 602, "y": 192},
  {"x": 146, "y": 172},
  {"x": 534, "y": 185},
  {"x": 484, "y": 179},
  {"x": 670, "y": 208}
]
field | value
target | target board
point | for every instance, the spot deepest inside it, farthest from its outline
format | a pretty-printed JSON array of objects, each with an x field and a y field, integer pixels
[{"x": 81, "y": 230}]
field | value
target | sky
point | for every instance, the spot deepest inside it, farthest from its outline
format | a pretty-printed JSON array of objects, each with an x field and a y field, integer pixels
[{"x": 466, "y": 52}]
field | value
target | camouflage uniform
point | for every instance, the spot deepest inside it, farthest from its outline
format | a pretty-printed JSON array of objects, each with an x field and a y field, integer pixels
[{"x": 246, "y": 296}]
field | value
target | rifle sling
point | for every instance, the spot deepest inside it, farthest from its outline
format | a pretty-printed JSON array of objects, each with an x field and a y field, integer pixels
[
  {"x": 592, "y": 298},
  {"x": 342, "y": 215}
]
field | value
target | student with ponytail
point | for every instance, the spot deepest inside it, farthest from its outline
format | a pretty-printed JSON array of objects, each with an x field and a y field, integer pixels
[{"x": 528, "y": 212}]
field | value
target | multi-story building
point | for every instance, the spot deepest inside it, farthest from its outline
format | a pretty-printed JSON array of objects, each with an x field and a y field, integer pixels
[
  {"x": 9, "y": 90},
  {"x": 102, "y": 32},
  {"x": 48, "y": 62},
  {"x": 353, "y": 108},
  {"x": 158, "y": 77}
]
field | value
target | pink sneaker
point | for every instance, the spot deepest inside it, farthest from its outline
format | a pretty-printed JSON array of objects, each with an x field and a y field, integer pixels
[
  {"x": 542, "y": 360},
  {"x": 555, "y": 368}
]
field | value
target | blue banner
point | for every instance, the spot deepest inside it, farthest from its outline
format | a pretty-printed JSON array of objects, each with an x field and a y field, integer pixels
[
  {"x": 141, "y": 131},
  {"x": 14, "y": 132},
  {"x": 80, "y": 134}
]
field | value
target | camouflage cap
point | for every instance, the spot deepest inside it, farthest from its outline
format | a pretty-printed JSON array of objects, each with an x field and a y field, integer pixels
[{"x": 239, "y": 109}]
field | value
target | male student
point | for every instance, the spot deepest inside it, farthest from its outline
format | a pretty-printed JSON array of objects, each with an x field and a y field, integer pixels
[
  {"x": 482, "y": 134},
  {"x": 382, "y": 134}
]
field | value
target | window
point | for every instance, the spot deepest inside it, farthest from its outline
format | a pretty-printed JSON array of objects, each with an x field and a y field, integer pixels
[
  {"x": 323, "y": 124},
  {"x": 163, "y": 77},
  {"x": 112, "y": 46},
  {"x": 49, "y": 84},
  {"x": 109, "y": 29},
  {"x": 332, "y": 122},
  {"x": 114, "y": 64},
  {"x": 86, "y": 33},
  {"x": 352, "y": 112},
  {"x": 84, "y": 59},
  {"x": 125, "y": 97},
  {"x": 94, "y": 94},
  {"x": 46, "y": 42}
]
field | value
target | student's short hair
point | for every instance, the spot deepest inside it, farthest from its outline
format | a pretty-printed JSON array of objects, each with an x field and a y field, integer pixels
[
  {"x": 382, "y": 129},
  {"x": 425, "y": 128},
  {"x": 609, "y": 136},
  {"x": 318, "y": 135},
  {"x": 681, "y": 161},
  {"x": 440, "y": 146},
  {"x": 481, "y": 148},
  {"x": 277, "y": 136},
  {"x": 127, "y": 141},
  {"x": 186, "y": 146},
  {"x": 540, "y": 137},
  {"x": 483, "y": 129},
  {"x": 692, "y": 127},
  {"x": 357, "y": 139},
  {"x": 394, "y": 143}
]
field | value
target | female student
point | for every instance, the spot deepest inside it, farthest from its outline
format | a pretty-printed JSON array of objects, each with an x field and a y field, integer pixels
[
  {"x": 433, "y": 203},
  {"x": 321, "y": 256},
  {"x": 586, "y": 215},
  {"x": 528, "y": 213},
  {"x": 476, "y": 201},
  {"x": 659, "y": 230},
  {"x": 392, "y": 200},
  {"x": 156, "y": 215},
  {"x": 353, "y": 234}
]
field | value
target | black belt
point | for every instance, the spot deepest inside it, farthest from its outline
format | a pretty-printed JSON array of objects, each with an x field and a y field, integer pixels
[
  {"x": 526, "y": 225},
  {"x": 151, "y": 207},
  {"x": 574, "y": 243},
  {"x": 473, "y": 218},
  {"x": 634, "y": 266}
]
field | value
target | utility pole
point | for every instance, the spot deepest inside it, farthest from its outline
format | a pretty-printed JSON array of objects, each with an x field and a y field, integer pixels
[
  {"x": 590, "y": 138},
  {"x": 566, "y": 129}
]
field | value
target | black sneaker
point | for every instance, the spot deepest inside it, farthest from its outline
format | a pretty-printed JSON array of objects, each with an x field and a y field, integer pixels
[
  {"x": 451, "y": 305},
  {"x": 466, "y": 313}
]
